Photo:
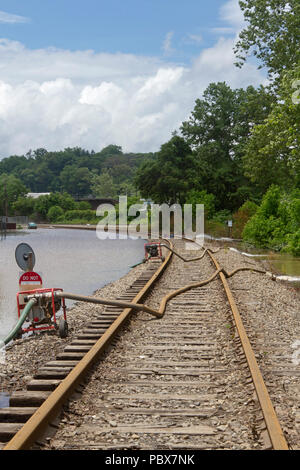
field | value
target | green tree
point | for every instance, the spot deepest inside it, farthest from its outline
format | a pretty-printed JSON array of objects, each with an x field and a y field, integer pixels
[
  {"x": 11, "y": 188},
  {"x": 111, "y": 150},
  {"x": 241, "y": 217},
  {"x": 170, "y": 175},
  {"x": 41, "y": 178},
  {"x": 126, "y": 188},
  {"x": 272, "y": 34},
  {"x": 44, "y": 203},
  {"x": 103, "y": 185},
  {"x": 272, "y": 154},
  {"x": 71, "y": 169},
  {"x": 23, "y": 206},
  {"x": 54, "y": 213},
  {"x": 64, "y": 200},
  {"x": 76, "y": 180},
  {"x": 276, "y": 222},
  {"x": 218, "y": 130},
  {"x": 83, "y": 206},
  {"x": 202, "y": 197}
]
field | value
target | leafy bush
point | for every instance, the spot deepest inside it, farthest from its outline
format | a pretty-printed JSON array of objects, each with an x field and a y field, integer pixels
[
  {"x": 54, "y": 213},
  {"x": 216, "y": 229},
  {"x": 80, "y": 215},
  {"x": 222, "y": 216},
  {"x": 293, "y": 245},
  {"x": 83, "y": 206},
  {"x": 23, "y": 205},
  {"x": 241, "y": 217},
  {"x": 62, "y": 221},
  {"x": 202, "y": 197},
  {"x": 276, "y": 222},
  {"x": 43, "y": 203}
]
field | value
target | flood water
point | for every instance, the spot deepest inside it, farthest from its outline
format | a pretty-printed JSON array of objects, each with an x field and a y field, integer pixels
[
  {"x": 75, "y": 260},
  {"x": 283, "y": 264},
  {"x": 78, "y": 262}
]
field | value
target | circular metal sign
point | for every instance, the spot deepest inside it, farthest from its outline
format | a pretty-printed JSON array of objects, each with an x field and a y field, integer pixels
[{"x": 25, "y": 257}]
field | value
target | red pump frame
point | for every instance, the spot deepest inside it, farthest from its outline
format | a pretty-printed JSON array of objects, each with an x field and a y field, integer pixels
[
  {"x": 53, "y": 326},
  {"x": 159, "y": 250}
]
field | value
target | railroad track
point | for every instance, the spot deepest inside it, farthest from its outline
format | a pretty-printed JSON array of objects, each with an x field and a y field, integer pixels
[{"x": 186, "y": 381}]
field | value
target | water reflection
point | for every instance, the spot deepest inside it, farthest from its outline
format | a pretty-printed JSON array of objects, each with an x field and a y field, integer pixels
[
  {"x": 4, "y": 400},
  {"x": 280, "y": 263},
  {"x": 285, "y": 264},
  {"x": 75, "y": 260}
]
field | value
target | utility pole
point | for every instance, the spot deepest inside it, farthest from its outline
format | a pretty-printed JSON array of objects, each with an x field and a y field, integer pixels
[
  {"x": 4, "y": 208},
  {"x": 5, "y": 200}
]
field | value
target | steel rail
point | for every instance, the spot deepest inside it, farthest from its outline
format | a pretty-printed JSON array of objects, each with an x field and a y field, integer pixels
[
  {"x": 188, "y": 260},
  {"x": 273, "y": 426},
  {"x": 38, "y": 422},
  {"x": 34, "y": 426},
  {"x": 142, "y": 307}
]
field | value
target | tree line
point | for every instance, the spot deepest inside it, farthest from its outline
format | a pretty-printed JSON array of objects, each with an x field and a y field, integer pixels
[
  {"x": 236, "y": 151},
  {"x": 75, "y": 170},
  {"x": 241, "y": 147}
]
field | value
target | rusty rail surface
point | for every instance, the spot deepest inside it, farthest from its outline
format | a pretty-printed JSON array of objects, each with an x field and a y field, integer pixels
[
  {"x": 34, "y": 427},
  {"x": 273, "y": 426},
  {"x": 38, "y": 422}
]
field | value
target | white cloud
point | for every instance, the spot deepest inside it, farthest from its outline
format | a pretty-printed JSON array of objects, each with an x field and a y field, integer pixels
[
  {"x": 218, "y": 58},
  {"x": 167, "y": 44},
  {"x": 103, "y": 95},
  {"x": 10, "y": 18},
  {"x": 217, "y": 62},
  {"x": 57, "y": 98},
  {"x": 223, "y": 30},
  {"x": 18, "y": 64},
  {"x": 161, "y": 83},
  {"x": 232, "y": 14},
  {"x": 193, "y": 39}
]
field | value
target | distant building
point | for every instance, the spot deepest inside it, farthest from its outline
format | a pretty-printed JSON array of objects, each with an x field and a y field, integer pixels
[
  {"x": 36, "y": 195},
  {"x": 7, "y": 223},
  {"x": 95, "y": 201}
]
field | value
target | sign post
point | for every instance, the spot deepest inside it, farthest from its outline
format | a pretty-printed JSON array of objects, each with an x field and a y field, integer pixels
[{"x": 229, "y": 223}]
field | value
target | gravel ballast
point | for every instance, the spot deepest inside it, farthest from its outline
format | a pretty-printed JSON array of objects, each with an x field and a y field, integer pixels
[
  {"x": 23, "y": 357},
  {"x": 270, "y": 311}
]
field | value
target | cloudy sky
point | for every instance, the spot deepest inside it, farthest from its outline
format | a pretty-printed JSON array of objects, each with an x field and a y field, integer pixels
[{"x": 95, "y": 73}]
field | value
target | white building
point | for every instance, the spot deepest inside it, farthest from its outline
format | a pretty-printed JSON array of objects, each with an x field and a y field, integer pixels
[{"x": 36, "y": 195}]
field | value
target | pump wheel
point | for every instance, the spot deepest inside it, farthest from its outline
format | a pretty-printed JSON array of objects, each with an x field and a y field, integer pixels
[
  {"x": 63, "y": 328},
  {"x": 19, "y": 334}
]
